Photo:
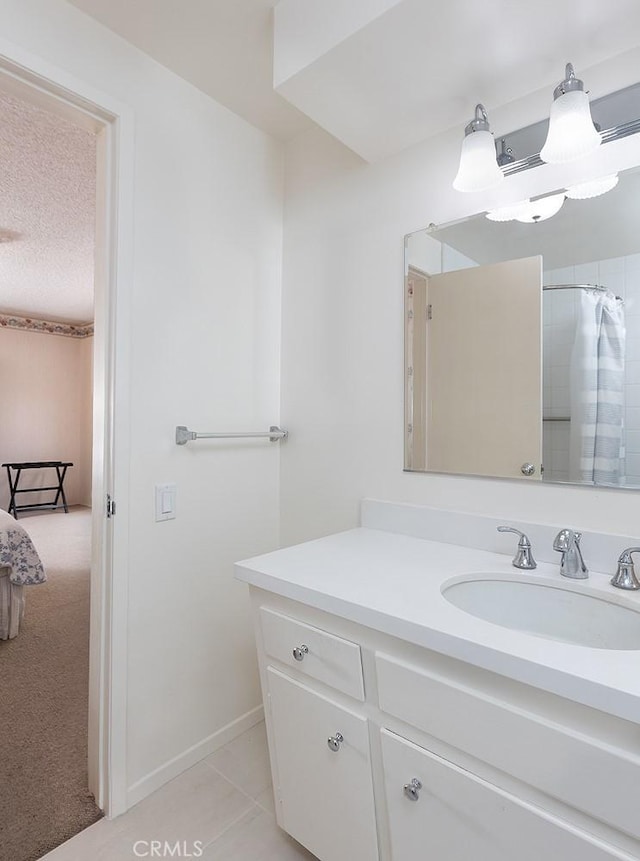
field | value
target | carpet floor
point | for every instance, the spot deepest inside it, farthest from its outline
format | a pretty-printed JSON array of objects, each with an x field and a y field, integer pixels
[{"x": 44, "y": 674}]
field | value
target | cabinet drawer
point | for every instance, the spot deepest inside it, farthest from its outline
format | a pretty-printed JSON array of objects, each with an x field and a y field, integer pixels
[
  {"x": 590, "y": 775},
  {"x": 458, "y": 816},
  {"x": 326, "y": 795},
  {"x": 328, "y": 658}
]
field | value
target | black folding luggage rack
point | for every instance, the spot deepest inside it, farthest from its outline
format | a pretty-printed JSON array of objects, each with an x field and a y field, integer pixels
[{"x": 60, "y": 500}]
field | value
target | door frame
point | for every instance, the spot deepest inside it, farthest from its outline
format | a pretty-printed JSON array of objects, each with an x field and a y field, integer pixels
[
  {"x": 416, "y": 309},
  {"x": 31, "y": 77}
]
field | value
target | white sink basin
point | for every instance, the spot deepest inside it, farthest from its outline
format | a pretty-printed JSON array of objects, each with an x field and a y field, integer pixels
[{"x": 553, "y": 612}]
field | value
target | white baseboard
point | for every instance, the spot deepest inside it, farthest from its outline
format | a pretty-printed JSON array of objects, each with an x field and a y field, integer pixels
[{"x": 157, "y": 778}]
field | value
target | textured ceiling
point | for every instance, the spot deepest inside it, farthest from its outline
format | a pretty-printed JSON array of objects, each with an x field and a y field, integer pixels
[{"x": 47, "y": 206}]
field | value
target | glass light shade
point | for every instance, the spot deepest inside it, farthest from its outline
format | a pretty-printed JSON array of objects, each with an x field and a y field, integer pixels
[
  {"x": 478, "y": 169},
  {"x": 594, "y": 188},
  {"x": 540, "y": 210},
  {"x": 509, "y": 213},
  {"x": 571, "y": 131}
]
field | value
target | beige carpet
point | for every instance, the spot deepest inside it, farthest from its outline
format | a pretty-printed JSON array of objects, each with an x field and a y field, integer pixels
[{"x": 44, "y": 671}]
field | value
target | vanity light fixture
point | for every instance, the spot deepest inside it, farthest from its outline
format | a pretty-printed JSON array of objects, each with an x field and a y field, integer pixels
[
  {"x": 540, "y": 210},
  {"x": 546, "y": 207},
  {"x": 478, "y": 170},
  {"x": 529, "y": 211},
  {"x": 572, "y": 133},
  {"x": 509, "y": 213},
  {"x": 593, "y": 188}
]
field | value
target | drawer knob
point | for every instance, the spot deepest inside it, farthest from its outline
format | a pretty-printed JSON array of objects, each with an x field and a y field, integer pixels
[
  {"x": 335, "y": 741},
  {"x": 300, "y": 651},
  {"x": 412, "y": 790}
]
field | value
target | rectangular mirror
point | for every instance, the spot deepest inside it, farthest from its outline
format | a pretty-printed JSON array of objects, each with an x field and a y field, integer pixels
[{"x": 522, "y": 344}]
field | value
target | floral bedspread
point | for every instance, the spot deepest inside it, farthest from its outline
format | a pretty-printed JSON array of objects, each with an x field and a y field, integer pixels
[{"x": 18, "y": 553}]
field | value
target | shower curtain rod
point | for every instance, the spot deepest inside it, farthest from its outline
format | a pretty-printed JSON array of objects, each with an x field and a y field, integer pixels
[{"x": 577, "y": 287}]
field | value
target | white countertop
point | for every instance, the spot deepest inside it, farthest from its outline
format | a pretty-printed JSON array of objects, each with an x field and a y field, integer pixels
[{"x": 392, "y": 583}]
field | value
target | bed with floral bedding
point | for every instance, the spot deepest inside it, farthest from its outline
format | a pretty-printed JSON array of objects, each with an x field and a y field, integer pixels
[{"x": 20, "y": 566}]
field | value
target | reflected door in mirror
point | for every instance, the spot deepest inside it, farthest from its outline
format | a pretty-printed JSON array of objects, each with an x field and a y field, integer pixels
[
  {"x": 483, "y": 355},
  {"x": 416, "y": 364}
]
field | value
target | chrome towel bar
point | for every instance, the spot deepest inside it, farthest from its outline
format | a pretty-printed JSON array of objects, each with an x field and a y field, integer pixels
[{"x": 184, "y": 435}]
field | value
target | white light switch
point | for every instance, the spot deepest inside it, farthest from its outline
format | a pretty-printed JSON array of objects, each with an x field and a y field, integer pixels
[{"x": 165, "y": 502}]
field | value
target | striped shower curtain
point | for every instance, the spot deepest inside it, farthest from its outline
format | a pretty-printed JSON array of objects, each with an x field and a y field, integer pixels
[{"x": 596, "y": 450}]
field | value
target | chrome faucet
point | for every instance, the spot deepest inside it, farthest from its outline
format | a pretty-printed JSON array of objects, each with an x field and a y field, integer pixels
[
  {"x": 625, "y": 576},
  {"x": 572, "y": 564},
  {"x": 523, "y": 558}
]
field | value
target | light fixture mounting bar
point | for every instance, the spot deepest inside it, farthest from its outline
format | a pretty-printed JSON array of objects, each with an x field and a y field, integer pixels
[
  {"x": 608, "y": 135},
  {"x": 609, "y": 112}
]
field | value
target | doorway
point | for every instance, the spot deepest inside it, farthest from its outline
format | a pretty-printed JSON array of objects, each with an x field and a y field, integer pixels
[
  {"x": 47, "y": 228},
  {"x": 40, "y": 83}
]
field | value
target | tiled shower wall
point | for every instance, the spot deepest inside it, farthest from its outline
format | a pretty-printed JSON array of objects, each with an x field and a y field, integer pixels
[{"x": 621, "y": 275}]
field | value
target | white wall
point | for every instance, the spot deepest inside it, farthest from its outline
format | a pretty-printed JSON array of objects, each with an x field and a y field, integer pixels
[
  {"x": 434, "y": 257},
  {"x": 453, "y": 259},
  {"x": 46, "y": 392},
  {"x": 342, "y": 352},
  {"x": 205, "y": 334},
  {"x": 205, "y": 344}
]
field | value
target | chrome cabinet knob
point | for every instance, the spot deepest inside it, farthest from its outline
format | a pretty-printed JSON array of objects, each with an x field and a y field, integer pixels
[
  {"x": 527, "y": 469},
  {"x": 335, "y": 741},
  {"x": 412, "y": 790},
  {"x": 300, "y": 651}
]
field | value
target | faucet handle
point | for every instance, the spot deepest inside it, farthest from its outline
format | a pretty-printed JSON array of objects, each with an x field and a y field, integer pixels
[
  {"x": 524, "y": 557},
  {"x": 572, "y": 565},
  {"x": 565, "y": 538},
  {"x": 625, "y": 576}
]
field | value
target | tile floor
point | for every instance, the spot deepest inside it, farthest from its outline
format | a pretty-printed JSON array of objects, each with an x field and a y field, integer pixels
[{"x": 225, "y": 802}]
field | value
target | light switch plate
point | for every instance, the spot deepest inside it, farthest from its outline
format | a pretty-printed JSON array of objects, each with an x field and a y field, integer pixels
[{"x": 165, "y": 502}]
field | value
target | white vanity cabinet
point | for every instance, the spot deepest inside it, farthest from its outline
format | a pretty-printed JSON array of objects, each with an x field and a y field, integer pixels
[
  {"x": 559, "y": 752},
  {"x": 385, "y": 751},
  {"x": 319, "y": 746},
  {"x": 439, "y": 811},
  {"x": 313, "y": 652},
  {"x": 323, "y": 771}
]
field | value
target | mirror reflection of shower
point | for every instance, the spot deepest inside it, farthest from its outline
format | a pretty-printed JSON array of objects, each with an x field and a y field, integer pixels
[
  {"x": 591, "y": 434},
  {"x": 585, "y": 384}
]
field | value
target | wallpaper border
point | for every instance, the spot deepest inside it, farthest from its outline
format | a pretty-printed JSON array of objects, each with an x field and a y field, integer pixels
[{"x": 46, "y": 327}]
